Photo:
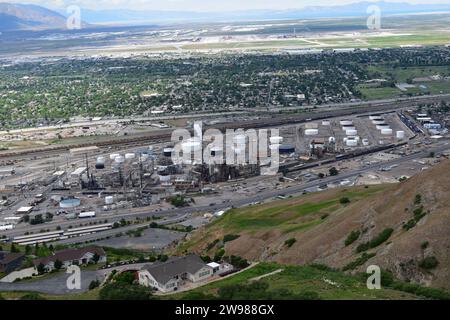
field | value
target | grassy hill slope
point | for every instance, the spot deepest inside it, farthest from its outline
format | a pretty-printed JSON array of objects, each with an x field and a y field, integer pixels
[{"x": 403, "y": 228}]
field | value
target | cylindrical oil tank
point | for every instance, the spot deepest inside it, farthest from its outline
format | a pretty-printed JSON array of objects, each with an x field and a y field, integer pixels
[
  {"x": 109, "y": 200},
  {"x": 164, "y": 178},
  {"x": 119, "y": 159},
  {"x": 401, "y": 135},
  {"x": 311, "y": 132},
  {"x": 352, "y": 143},
  {"x": 101, "y": 160},
  {"x": 240, "y": 139},
  {"x": 332, "y": 140},
  {"x": 191, "y": 145},
  {"x": 386, "y": 131},
  {"x": 216, "y": 151},
  {"x": 168, "y": 152},
  {"x": 346, "y": 122},
  {"x": 99, "y": 166},
  {"x": 69, "y": 203},
  {"x": 286, "y": 149},
  {"x": 130, "y": 156},
  {"x": 276, "y": 140},
  {"x": 311, "y": 125}
]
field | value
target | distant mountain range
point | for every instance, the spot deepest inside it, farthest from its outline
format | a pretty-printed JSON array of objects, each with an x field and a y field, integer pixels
[
  {"x": 23, "y": 17},
  {"x": 351, "y": 10},
  {"x": 20, "y": 16}
]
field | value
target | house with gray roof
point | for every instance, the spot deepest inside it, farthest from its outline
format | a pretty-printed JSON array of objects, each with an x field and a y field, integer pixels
[
  {"x": 68, "y": 257},
  {"x": 175, "y": 273},
  {"x": 10, "y": 261}
]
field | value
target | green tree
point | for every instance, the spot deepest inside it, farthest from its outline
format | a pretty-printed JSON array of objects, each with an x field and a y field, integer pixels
[
  {"x": 41, "y": 268},
  {"x": 58, "y": 264},
  {"x": 333, "y": 171}
]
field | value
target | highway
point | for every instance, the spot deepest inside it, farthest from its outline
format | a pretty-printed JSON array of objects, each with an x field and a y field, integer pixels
[{"x": 179, "y": 214}]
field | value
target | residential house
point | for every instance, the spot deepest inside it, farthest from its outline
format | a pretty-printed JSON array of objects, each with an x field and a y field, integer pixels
[
  {"x": 79, "y": 256},
  {"x": 10, "y": 261},
  {"x": 175, "y": 273}
]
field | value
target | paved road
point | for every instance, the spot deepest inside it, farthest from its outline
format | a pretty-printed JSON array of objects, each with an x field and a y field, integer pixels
[{"x": 57, "y": 284}]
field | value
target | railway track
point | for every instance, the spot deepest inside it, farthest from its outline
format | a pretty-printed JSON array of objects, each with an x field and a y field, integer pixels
[{"x": 279, "y": 120}]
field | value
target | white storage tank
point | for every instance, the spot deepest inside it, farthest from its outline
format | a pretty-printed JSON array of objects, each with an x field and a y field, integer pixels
[
  {"x": 216, "y": 151},
  {"x": 311, "y": 132},
  {"x": 276, "y": 140},
  {"x": 400, "y": 135},
  {"x": 119, "y": 159},
  {"x": 101, "y": 160},
  {"x": 240, "y": 139},
  {"x": 332, "y": 140},
  {"x": 168, "y": 152},
  {"x": 274, "y": 147},
  {"x": 191, "y": 145},
  {"x": 386, "y": 132},
  {"x": 311, "y": 125},
  {"x": 109, "y": 200},
  {"x": 346, "y": 122},
  {"x": 165, "y": 178}
]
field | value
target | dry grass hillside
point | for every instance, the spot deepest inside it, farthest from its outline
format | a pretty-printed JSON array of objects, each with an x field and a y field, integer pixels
[{"x": 404, "y": 228}]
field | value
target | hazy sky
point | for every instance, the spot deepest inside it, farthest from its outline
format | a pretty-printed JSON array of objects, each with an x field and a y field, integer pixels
[{"x": 200, "y": 5}]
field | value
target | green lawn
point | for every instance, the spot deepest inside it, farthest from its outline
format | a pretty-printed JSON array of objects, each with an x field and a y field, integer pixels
[{"x": 281, "y": 214}]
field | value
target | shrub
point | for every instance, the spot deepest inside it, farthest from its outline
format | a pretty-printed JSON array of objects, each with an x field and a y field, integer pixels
[
  {"x": 352, "y": 237},
  {"x": 429, "y": 263},
  {"x": 308, "y": 295},
  {"x": 418, "y": 199},
  {"x": 344, "y": 200},
  {"x": 94, "y": 284},
  {"x": 379, "y": 239},
  {"x": 290, "y": 242},
  {"x": 358, "y": 262},
  {"x": 125, "y": 277},
  {"x": 230, "y": 237},
  {"x": 212, "y": 244},
  {"x": 32, "y": 296},
  {"x": 124, "y": 291},
  {"x": 219, "y": 254},
  {"x": 424, "y": 245}
]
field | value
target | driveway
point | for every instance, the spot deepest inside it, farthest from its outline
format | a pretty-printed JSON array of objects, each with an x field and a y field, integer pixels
[{"x": 56, "y": 284}]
